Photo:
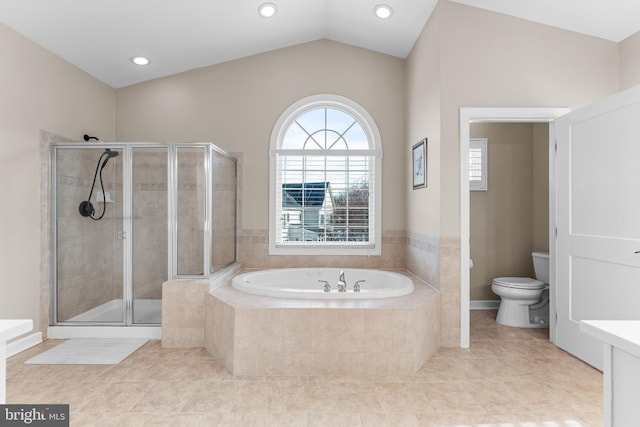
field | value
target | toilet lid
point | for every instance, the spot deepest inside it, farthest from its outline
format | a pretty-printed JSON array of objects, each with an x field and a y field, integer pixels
[{"x": 519, "y": 282}]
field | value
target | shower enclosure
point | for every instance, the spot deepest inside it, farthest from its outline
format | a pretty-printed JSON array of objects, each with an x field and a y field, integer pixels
[{"x": 128, "y": 216}]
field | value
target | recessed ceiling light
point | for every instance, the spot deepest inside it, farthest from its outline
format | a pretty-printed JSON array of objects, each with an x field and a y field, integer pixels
[
  {"x": 383, "y": 11},
  {"x": 267, "y": 10},
  {"x": 139, "y": 60}
]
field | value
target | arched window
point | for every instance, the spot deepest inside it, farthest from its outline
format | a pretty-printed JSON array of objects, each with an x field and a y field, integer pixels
[{"x": 325, "y": 187}]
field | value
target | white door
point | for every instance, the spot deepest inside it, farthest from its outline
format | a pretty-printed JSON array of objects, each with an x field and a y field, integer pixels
[{"x": 598, "y": 220}]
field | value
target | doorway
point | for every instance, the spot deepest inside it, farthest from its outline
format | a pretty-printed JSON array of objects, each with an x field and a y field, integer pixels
[
  {"x": 520, "y": 115},
  {"x": 509, "y": 203}
]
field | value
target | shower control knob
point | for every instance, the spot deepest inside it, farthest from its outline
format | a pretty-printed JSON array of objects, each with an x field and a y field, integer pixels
[{"x": 86, "y": 208}]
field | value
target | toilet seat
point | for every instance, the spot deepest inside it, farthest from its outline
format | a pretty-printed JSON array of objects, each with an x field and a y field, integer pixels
[{"x": 519, "y": 283}]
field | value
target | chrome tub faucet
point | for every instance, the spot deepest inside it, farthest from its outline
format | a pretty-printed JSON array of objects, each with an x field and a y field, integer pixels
[{"x": 342, "y": 284}]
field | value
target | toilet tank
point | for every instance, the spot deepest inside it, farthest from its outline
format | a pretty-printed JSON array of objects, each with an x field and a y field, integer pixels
[{"x": 541, "y": 265}]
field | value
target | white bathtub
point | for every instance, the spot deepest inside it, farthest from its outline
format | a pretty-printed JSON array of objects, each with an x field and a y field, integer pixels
[{"x": 306, "y": 283}]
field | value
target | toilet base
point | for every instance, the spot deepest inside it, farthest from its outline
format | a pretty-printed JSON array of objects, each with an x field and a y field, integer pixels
[{"x": 518, "y": 314}]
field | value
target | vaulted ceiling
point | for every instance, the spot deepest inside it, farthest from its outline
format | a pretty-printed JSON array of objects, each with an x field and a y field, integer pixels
[{"x": 100, "y": 36}]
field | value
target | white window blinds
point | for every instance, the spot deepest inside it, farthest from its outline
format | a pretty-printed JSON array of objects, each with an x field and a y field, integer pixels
[{"x": 478, "y": 164}]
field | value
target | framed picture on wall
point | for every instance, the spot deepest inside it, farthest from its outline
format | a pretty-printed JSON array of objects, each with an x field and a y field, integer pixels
[{"x": 419, "y": 157}]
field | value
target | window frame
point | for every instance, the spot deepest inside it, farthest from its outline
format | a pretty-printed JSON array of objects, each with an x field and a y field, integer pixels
[{"x": 366, "y": 121}]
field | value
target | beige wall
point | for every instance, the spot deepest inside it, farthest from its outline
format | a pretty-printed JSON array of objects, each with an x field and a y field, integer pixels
[
  {"x": 540, "y": 186},
  {"x": 630, "y": 62},
  {"x": 534, "y": 66},
  {"x": 423, "y": 121},
  {"x": 503, "y": 220},
  {"x": 39, "y": 92},
  {"x": 488, "y": 59},
  {"x": 236, "y": 104}
]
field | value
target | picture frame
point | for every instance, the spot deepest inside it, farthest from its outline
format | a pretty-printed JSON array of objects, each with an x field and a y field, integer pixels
[{"x": 419, "y": 162}]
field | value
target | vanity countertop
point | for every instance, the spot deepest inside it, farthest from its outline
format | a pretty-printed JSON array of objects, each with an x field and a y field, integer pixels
[{"x": 623, "y": 334}]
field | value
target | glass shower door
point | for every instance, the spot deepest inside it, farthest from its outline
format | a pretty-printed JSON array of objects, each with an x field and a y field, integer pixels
[
  {"x": 88, "y": 236},
  {"x": 149, "y": 232},
  {"x": 223, "y": 221},
  {"x": 191, "y": 212}
]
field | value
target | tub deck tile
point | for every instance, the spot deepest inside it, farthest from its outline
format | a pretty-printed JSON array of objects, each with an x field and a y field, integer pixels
[{"x": 371, "y": 337}]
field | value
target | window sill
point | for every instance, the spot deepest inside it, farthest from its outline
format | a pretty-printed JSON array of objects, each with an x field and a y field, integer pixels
[{"x": 328, "y": 251}]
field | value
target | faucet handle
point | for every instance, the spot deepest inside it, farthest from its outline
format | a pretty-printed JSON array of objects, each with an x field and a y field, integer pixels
[
  {"x": 356, "y": 286},
  {"x": 327, "y": 286}
]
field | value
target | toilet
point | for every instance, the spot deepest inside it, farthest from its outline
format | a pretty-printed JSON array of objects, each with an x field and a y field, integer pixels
[{"x": 524, "y": 302}]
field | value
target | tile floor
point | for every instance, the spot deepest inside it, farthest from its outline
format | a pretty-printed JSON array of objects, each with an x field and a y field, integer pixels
[{"x": 508, "y": 378}]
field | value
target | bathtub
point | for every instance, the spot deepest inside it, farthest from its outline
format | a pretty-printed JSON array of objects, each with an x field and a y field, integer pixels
[{"x": 308, "y": 283}]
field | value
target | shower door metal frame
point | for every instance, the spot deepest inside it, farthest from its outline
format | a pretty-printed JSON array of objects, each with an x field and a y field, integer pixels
[
  {"x": 127, "y": 228},
  {"x": 214, "y": 149},
  {"x": 173, "y": 182},
  {"x": 128, "y": 217},
  {"x": 209, "y": 150},
  {"x": 53, "y": 279},
  {"x": 53, "y": 231}
]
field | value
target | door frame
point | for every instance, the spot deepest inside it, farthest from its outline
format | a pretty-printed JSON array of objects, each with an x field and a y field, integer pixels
[{"x": 499, "y": 115}]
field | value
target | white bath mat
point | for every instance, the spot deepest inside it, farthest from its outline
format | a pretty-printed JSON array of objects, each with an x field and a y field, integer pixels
[{"x": 88, "y": 351}]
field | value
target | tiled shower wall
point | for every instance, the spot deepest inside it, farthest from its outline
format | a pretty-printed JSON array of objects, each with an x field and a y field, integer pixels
[{"x": 149, "y": 222}]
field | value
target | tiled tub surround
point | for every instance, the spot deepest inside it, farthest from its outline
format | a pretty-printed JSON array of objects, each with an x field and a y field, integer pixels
[
  {"x": 183, "y": 307},
  {"x": 423, "y": 257},
  {"x": 253, "y": 252},
  {"x": 437, "y": 261},
  {"x": 450, "y": 289},
  {"x": 257, "y": 335},
  {"x": 183, "y": 313}
]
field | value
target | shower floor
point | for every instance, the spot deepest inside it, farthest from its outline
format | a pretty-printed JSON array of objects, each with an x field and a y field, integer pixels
[{"x": 145, "y": 311}]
